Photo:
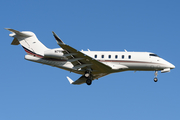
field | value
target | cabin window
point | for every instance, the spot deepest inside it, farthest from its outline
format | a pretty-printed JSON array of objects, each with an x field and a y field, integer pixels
[
  {"x": 122, "y": 56},
  {"x": 109, "y": 56},
  {"x": 95, "y": 56},
  {"x": 153, "y": 55},
  {"x": 129, "y": 56},
  {"x": 102, "y": 56},
  {"x": 116, "y": 56}
]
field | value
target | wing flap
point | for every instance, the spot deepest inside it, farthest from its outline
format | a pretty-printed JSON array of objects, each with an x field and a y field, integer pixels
[
  {"x": 75, "y": 59},
  {"x": 81, "y": 66}
]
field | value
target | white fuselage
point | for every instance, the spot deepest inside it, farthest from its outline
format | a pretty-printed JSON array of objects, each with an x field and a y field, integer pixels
[
  {"x": 91, "y": 64},
  {"x": 118, "y": 61},
  {"x": 133, "y": 60}
]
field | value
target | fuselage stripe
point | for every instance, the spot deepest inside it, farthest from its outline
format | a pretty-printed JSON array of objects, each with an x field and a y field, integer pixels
[
  {"x": 128, "y": 61},
  {"x": 32, "y": 53}
]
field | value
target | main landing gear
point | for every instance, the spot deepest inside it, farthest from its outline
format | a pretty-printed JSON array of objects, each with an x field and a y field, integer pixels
[
  {"x": 155, "y": 79},
  {"x": 88, "y": 76},
  {"x": 88, "y": 81}
]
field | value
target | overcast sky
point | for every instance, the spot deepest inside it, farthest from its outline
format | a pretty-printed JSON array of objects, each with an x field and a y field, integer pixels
[{"x": 31, "y": 91}]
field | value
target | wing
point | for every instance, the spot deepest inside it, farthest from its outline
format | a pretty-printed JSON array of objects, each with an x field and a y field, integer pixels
[
  {"x": 83, "y": 79},
  {"x": 82, "y": 61}
]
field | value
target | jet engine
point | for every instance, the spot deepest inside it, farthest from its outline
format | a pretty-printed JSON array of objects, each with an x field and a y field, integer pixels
[{"x": 56, "y": 53}]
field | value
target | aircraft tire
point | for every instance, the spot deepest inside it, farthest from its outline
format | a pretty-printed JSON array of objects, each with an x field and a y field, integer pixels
[
  {"x": 88, "y": 81},
  {"x": 155, "y": 79}
]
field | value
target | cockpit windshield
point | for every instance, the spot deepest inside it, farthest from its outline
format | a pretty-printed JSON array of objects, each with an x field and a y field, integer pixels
[{"x": 153, "y": 55}]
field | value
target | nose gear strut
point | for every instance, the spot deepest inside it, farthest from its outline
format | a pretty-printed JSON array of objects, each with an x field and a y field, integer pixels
[{"x": 155, "y": 79}]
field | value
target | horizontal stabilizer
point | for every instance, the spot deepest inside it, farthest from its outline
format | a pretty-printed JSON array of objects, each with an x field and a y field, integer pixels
[
  {"x": 29, "y": 42},
  {"x": 23, "y": 34}
]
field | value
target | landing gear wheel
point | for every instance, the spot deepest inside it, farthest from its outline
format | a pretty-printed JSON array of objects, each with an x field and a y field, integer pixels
[
  {"x": 155, "y": 79},
  {"x": 88, "y": 81}
]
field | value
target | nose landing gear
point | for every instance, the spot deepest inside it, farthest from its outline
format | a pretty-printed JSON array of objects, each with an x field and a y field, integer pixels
[{"x": 155, "y": 79}]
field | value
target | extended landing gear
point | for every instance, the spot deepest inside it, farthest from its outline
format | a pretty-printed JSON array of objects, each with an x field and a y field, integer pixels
[
  {"x": 88, "y": 81},
  {"x": 155, "y": 79},
  {"x": 88, "y": 76}
]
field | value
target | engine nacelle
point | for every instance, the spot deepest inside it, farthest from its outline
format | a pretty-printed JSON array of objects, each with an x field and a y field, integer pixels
[{"x": 54, "y": 53}]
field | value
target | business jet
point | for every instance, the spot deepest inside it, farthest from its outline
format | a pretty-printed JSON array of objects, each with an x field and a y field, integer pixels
[{"x": 91, "y": 65}]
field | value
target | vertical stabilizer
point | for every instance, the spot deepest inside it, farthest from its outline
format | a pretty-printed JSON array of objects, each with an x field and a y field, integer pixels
[{"x": 29, "y": 42}]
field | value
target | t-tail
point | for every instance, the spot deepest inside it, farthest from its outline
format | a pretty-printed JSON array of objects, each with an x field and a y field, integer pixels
[{"x": 29, "y": 42}]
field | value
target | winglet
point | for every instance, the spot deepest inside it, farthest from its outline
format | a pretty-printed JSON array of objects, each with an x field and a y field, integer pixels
[
  {"x": 70, "y": 80},
  {"x": 57, "y": 38}
]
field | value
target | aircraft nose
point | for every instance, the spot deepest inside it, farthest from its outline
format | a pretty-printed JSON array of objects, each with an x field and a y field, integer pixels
[
  {"x": 171, "y": 66},
  {"x": 168, "y": 65}
]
